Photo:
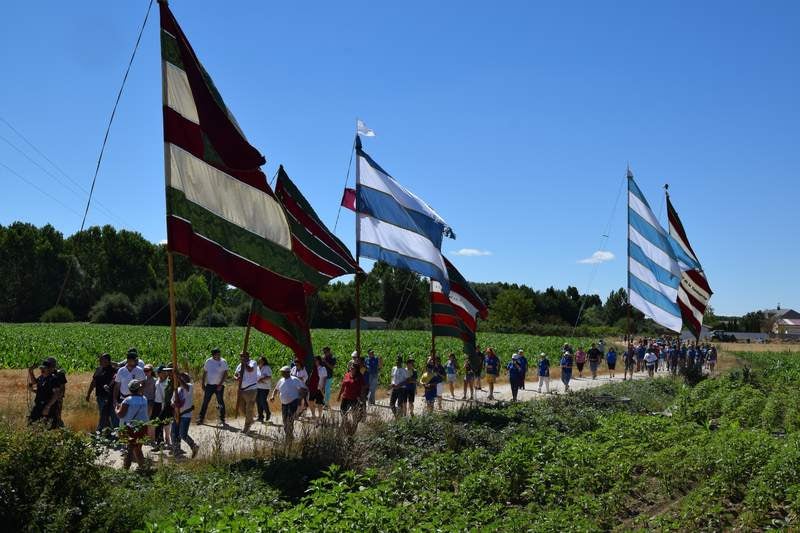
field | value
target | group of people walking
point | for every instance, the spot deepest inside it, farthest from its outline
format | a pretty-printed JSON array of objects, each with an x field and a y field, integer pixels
[
  {"x": 668, "y": 355},
  {"x": 141, "y": 401}
]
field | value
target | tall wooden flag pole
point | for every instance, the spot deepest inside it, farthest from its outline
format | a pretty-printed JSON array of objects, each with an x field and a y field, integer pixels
[
  {"x": 173, "y": 322},
  {"x": 358, "y": 236},
  {"x": 629, "y": 175},
  {"x": 173, "y": 328},
  {"x": 247, "y": 328},
  {"x": 433, "y": 331}
]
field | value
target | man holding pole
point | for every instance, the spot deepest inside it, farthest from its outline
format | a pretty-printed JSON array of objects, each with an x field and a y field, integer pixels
[{"x": 247, "y": 377}]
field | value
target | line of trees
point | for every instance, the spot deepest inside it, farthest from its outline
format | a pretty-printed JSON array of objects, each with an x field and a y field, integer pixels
[{"x": 117, "y": 276}]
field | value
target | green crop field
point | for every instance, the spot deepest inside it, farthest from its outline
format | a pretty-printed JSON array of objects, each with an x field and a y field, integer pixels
[{"x": 77, "y": 345}]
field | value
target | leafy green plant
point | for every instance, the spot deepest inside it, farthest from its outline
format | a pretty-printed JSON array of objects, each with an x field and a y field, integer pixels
[{"x": 57, "y": 313}]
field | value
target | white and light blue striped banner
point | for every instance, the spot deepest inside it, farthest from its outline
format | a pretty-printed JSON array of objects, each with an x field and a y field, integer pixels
[
  {"x": 396, "y": 226},
  {"x": 654, "y": 269}
]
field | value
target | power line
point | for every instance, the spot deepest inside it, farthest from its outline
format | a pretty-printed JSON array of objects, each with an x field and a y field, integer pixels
[
  {"x": 33, "y": 184},
  {"x": 105, "y": 139},
  {"x": 56, "y": 178},
  {"x": 44, "y": 156}
]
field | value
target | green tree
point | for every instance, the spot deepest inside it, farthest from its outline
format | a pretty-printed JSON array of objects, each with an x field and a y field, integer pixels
[
  {"x": 752, "y": 321},
  {"x": 512, "y": 309},
  {"x": 616, "y": 306},
  {"x": 32, "y": 269}
]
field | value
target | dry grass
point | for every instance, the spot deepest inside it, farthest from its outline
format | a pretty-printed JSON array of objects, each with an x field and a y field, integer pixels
[
  {"x": 16, "y": 399},
  {"x": 755, "y": 347}
]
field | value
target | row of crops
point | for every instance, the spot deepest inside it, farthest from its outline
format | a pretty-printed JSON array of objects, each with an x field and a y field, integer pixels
[{"x": 77, "y": 345}]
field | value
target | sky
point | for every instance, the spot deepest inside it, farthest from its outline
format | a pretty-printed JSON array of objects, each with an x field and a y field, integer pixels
[{"x": 514, "y": 120}]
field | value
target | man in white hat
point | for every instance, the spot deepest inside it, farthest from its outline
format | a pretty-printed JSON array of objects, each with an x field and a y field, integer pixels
[
  {"x": 543, "y": 370},
  {"x": 292, "y": 391}
]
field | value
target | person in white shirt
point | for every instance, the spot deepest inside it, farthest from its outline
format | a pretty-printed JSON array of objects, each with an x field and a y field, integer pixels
[
  {"x": 132, "y": 413},
  {"x": 124, "y": 376},
  {"x": 299, "y": 370},
  {"x": 650, "y": 359},
  {"x": 183, "y": 403},
  {"x": 398, "y": 385},
  {"x": 162, "y": 408},
  {"x": 316, "y": 387},
  {"x": 262, "y": 389},
  {"x": 247, "y": 376},
  {"x": 292, "y": 390},
  {"x": 215, "y": 370}
]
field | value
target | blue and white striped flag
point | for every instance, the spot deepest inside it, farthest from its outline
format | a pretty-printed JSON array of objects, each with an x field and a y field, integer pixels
[
  {"x": 394, "y": 225},
  {"x": 654, "y": 270}
]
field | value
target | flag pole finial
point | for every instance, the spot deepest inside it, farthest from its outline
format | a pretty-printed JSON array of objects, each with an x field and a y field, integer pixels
[{"x": 666, "y": 189}]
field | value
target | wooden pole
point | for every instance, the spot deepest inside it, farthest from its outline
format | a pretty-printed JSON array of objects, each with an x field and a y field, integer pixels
[
  {"x": 358, "y": 313},
  {"x": 247, "y": 328},
  {"x": 433, "y": 335},
  {"x": 357, "y": 148},
  {"x": 173, "y": 329},
  {"x": 629, "y": 175}
]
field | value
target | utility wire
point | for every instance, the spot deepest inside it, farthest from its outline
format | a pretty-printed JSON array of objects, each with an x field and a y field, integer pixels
[
  {"x": 105, "y": 139},
  {"x": 44, "y": 156},
  {"x": 603, "y": 242},
  {"x": 44, "y": 192},
  {"x": 56, "y": 178}
]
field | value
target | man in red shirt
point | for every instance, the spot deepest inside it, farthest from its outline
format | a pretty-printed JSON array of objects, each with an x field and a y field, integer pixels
[{"x": 353, "y": 384}]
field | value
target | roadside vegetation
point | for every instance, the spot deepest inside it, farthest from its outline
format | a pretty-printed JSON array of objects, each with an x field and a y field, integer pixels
[{"x": 649, "y": 454}]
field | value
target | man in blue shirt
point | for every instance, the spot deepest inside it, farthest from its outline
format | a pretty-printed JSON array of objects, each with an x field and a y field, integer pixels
[
  {"x": 515, "y": 374},
  {"x": 543, "y": 369},
  {"x": 611, "y": 361},
  {"x": 492, "y": 365},
  {"x": 373, "y": 364},
  {"x": 640, "y": 351},
  {"x": 523, "y": 361},
  {"x": 566, "y": 369}
]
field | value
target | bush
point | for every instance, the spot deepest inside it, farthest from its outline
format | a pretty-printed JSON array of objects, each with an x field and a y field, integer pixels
[
  {"x": 414, "y": 323},
  {"x": 152, "y": 308},
  {"x": 240, "y": 314},
  {"x": 113, "y": 308},
  {"x": 210, "y": 317},
  {"x": 57, "y": 313},
  {"x": 48, "y": 479}
]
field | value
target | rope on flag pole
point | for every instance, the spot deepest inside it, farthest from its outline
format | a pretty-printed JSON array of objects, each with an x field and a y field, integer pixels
[
  {"x": 346, "y": 181},
  {"x": 603, "y": 242}
]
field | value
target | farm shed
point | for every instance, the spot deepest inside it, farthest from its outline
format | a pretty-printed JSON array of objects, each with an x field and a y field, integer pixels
[{"x": 370, "y": 322}]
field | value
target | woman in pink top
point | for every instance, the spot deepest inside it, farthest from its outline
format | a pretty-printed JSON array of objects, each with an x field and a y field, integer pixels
[{"x": 580, "y": 360}]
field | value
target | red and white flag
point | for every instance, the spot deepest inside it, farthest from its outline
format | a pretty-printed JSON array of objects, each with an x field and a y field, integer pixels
[{"x": 693, "y": 291}]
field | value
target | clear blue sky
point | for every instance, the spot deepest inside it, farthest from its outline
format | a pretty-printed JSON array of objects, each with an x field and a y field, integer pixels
[{"x": 513, "y": 119}]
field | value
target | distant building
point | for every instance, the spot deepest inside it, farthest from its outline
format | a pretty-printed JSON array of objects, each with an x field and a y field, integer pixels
[
  {"x": 786, "y": 323},
  {"x": 370, "y": 322},
  {"x": 780, "y": 313}
]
